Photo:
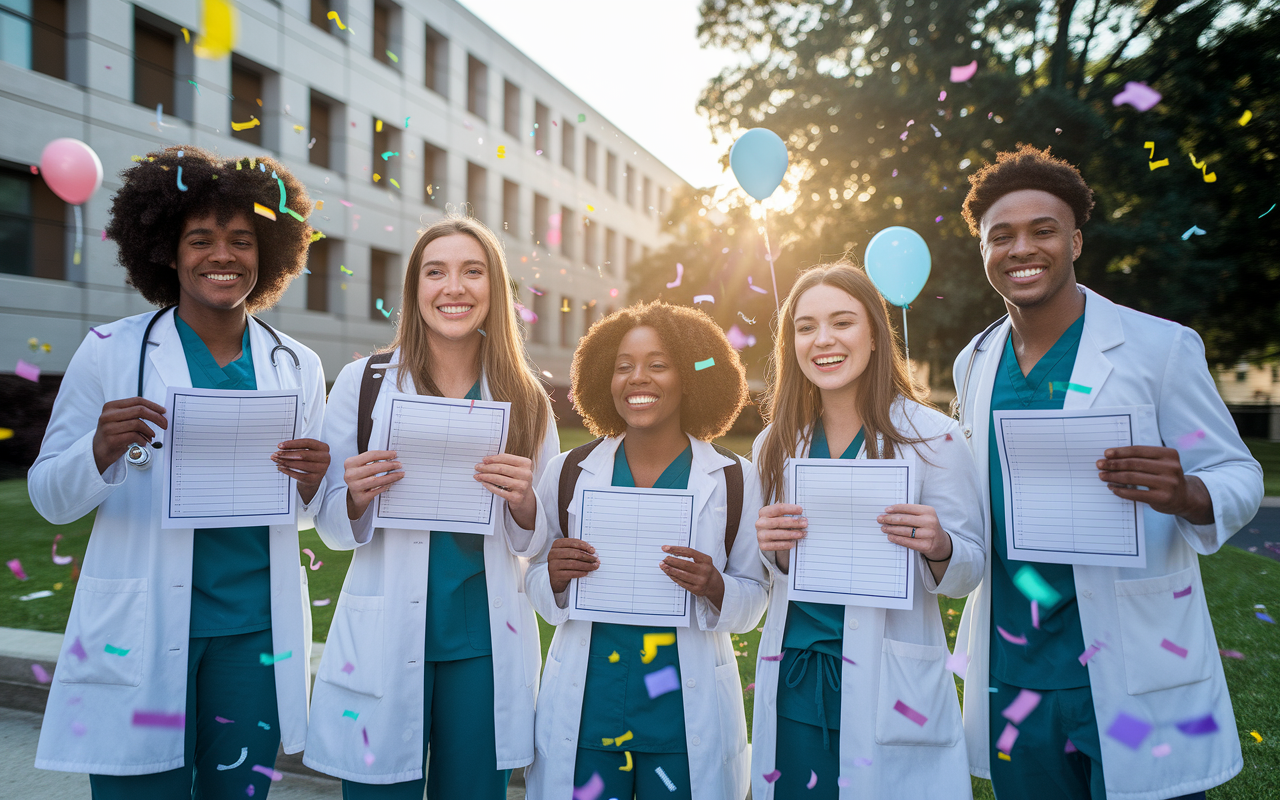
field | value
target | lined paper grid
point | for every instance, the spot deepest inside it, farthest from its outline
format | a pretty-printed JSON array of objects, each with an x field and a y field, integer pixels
[
  {"x": 845, "y": 558},
  {"x": 628, "y": 528},
  {"x": 438, "y": 442},
  {"x": 1057, "y": 510},
  {"x": 218, "y": 467}
]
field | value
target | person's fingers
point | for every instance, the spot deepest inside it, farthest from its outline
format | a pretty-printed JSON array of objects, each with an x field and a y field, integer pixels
[
  {"x": 684, "y": 573},
  {"x": 778, "y": 534},
  {"x": 502, "y": 482},
  {"x": 784, "y": 523},
  {"x": 687, "y": 552},
  {"x": 1138, "y": 465},
  {"x": 913, "y": 509},
  {"x": 568, "y": 556},
  {"x": 1140, "y": 451},
  {"x": 376, "y": 482},
  {"x": 1138, "y": 479},
  {"x": 369, "y": 470},
  {"x": 368, "y": 457},
  {"x": 570, "y": 543},
  {"x": 770, "y": 546},
  {"x": 905, "y": 531},
  {"x": 907, "y": 520},
  {"x": 304, "y": 444},
  {"x": 510, "y": 459},
  {"x": 781, "y": 510}
]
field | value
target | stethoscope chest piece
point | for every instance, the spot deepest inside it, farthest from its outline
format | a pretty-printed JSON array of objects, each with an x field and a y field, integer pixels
[{"x": 138, "y": 456}]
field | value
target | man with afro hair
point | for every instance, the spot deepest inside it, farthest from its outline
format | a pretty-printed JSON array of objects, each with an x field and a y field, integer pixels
[
  {"x": 1103, "y": 665},
  {"x": 205, "y": 630}
]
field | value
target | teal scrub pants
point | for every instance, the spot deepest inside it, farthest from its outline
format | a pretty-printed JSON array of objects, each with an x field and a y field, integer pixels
[
  {"x": 458, "y": 712},
  {"x": 641, "y": 781},
  {"x": 799, "y": 751},
  {"x": 224, "y": 679}
]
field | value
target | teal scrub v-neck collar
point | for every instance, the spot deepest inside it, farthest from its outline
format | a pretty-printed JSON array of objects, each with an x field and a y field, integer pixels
[
  {"x": 675, "y": 476},
  {"x": 819, "y": 448},
  {"x": 238, "y": 374},
  {"x": 1030, "y": 385}
]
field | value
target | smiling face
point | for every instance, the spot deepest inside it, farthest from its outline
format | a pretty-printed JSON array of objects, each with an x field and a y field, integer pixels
[
  {"x": 646, "y": 385},
  {"x": 833, "y": 338},
  {"x": 453, "y": 287},
  {"x": 217, "y": 264},
  {"x": 1029, "y": 245}
]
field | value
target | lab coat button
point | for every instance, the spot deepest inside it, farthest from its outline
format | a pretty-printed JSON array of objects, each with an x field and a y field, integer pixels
[
  {"x": 691, "y": 683},
  {"x": 582, "y": 642},
  {"x": 497, "y": 602},
  {"x": 1088, "y": 593},
  {"x": 853, "y": 624},
  {"x": 695, "y": 741}
]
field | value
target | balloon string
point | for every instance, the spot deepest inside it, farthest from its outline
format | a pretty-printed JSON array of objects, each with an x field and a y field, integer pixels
[
  {"x": 777, "y": 301},
  {"x": 906, "y": 340},
  {"x": 79, "y": 235}
]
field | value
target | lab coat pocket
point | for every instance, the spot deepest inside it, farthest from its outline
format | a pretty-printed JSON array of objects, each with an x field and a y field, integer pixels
[
  {"x": 353, "y": 654},
  {"x": 914, "y": 683},
  {"x": 109, "y": 621},
  {"x": 1150, "y": 615},
  {"x": 733, "y": 717}
]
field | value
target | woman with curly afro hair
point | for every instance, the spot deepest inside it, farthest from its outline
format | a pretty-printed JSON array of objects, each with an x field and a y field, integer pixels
[
  {"x": 186, "y": 647},
  {"x": 657, "y": 382}
]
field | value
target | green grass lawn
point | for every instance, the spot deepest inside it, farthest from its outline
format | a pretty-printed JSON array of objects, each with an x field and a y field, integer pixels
[
  {"x": 1268, "y": 455},
  {"x": 1234, "y": 582}
]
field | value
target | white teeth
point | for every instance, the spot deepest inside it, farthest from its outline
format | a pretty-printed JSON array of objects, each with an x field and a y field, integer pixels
[
  {"x": 221, "y": 277},
  {"x": 641, "y": 399},
  {"x": 454, "y": 309},
  {"x": 1026, "y": 273},
  {"x": 824, "y": 360}
]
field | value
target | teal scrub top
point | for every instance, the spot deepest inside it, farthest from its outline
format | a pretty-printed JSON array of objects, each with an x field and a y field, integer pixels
[
  {"x": 457, "y": 593},
  {"x": 1050, "y": 658},
  {"x": 614, "y": 699},
  {"x": 818, "y": 627},
  {"x": 230, "y": 567}
]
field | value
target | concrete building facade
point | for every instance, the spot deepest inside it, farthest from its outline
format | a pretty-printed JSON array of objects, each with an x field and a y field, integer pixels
[{"x": 392, "y": 113}]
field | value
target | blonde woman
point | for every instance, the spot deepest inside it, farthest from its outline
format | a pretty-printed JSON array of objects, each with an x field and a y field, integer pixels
[
  {"x": 860, "y": 697},
  {"x": 433, "y": 646}
]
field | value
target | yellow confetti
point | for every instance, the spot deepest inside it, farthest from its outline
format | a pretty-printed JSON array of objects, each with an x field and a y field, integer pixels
[
  {"x": 186, "y": 36},
  {"x": 259, "y": 102},
  {"x": 393, "y": 182},
  {"x": 591, "y": 208},
  {"x": 344, "y": 287},
  {"x": 377, "y": 126},
  {"x": 57, "y": 587},
  {"x": 1155, "y": 165},
  {"x": 218, "y": 26},
  {"x": 48, "y": 348},
  {"x": 333, "y": 15},
  {"x": 502, "y": 151},
  {"x": 1256, "y": 736},
  {"x": 564, "y": 306},
  {"x": 376, "y": 177},
  {"x": 242, "y": 126},
  {"x": 298, "y": 129},
  {"x": 623, "y": 738},
  {"x": 652, "y": 641},
  {"x": 1003, "y": 756},
  {"x": 629, "y": 765},
  {"x": 319, "y": 205},
  {"x": 7, "y": 433},
  {"x": 263, "y": 211},
  {"x": 429, "y": 187},
  {"x": 614, "y": 658},
  {"x": 1245, "y": 117},
  {"x": 317, "y": 236}
]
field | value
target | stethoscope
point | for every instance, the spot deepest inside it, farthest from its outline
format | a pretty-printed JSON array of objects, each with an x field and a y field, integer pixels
[
  {"x": 960, "y": 402},
  {"x": 139, "y": 456}
]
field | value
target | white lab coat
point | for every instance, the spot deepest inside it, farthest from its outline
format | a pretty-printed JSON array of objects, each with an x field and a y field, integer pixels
[
  {"x": 1130, "y": 358},
  {"x": 379, "y": 625},
  {"x": 134, "y": 590},
  {"x": 715, "y": 719},
  {"x": 896, "y": 655}
]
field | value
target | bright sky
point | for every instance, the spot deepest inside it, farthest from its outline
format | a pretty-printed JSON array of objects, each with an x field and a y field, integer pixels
[{"x": 638, "y": 64}]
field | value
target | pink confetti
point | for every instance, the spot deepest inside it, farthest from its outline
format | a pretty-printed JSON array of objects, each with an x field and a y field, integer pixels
[
  {"x": 938, "y": 218},
  {"x": 738, "y": 338},
  {"x": 1180, "y": 652},
  {"x": 964, "y": 73},
  {"x": 326, "y": 601},
  {"x": 1010, "y": 638},
  {"x": 1232, "y": 654},
  {"x": 77, "y": 650},
  {"x": 224, "y": 720},
  {"x": 1035, "y": 614},
  {"x": 1138, "y": 95},
  {"x": 942, "y": 96},
  {"x": 61, "y": 561},
  {"x": 1161, "y": 750},
  {"x": 1022, "y": 705},
  {"x": 159, "y": 719},
  {"x": 850, "y": 660},
  {"x": 1090, "y": 652},
  {"x": 770, "y": 777},
  {"x": 958, "y": 663},
  {"x": 41, "y": 675},
  {"x": 910, "y": 713},
  {"x": 512, "y": 628},
  {"x": 104, "y": 236},
  {"x": 1190, "y": 440},
  {"x": 348, "y": 668},
  {"x": 1070, "y": 748},
  {"x": 28, "y": 371},
  {"x": 78, "y": 728},
  {"x": 1007, "y": 737},
  {"x": 315, "y": 565},
  {"x": 679, "y": 276},
  {"x": 813, "y": 780},
  {"x": 591, "y": 789},
  {"x": 778, "y": 657},
  {"x": 15, "y": 566},
  {"x": 844, "y": 783},
  {"x": 751, "y": 686},
  {"x": 755, "y": 288},
  {"x": 269, "y": 772},
  {"x": 1182, "y": 593}
]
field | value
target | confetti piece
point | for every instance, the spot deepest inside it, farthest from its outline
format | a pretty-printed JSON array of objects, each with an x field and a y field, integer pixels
[
  {"x": 264, "y": 725},
  {"x": 1194, "y": 230},
  {"x": 591, "y": 789},
  {"x": 964, "y": 73},
  {"x": 1203, "y": 166},
  {"x": 938, "y": 218},
  {"x": 1003, "y": 756},
  {"x": 1245, "y": 117},
  {"x": 1232, "y": 654},
  {"x": 511, "y": 627},
  {"x": 315, "y": 565},
  {"x": 244, "y": 126},
  {"x": 269, "y": 772},
  {"x": 37, "y": 595},
  {"x": 352, "y": 714},
  {"x": 744, "y": 319},
  {"x": 958, "y": 663},
  {"x": 910, "y": 713},
  {"x": 703, "y": 298},
  {"x": 1138, "y": 95},
  {"x": 1089, "y": 652},
  {"x": 266, "y": 659},
  {"x": 1186, "y": 442},
  {"x": 41, "y": 675},
  {"x": 1257, "y": 736},
  {"x": 389, "y": 153},
  {"x": 343, "y": 268},
  {"x": 224, "y": 720},
  {"x": 249, "y": 790},
  {"x": 96, "y": 333},
  {"x": 348, "y": 668},
  {"x": 1065, "y": 386},
  {"x": 813, "y": 780},
  {"x": 679, "y": 273},
  {"x": 333, "y": 15},
  {"x": 1129, "y": 731},
  {"x": 159, "y": 719},
  {"x": 1035, "y": 614},
  {"x": 263, "y": 211},
  {"x": 1262, "y": 615},
  {"x": 1161, "y": 750},
  {"x": 186, "y": 36},
  {"x": 614, "y": 657},
  {"x": 1022, "y": 705},
  {"x": 394, "y": 59},
  {"x": 1007, "y": 737},
  {"x": 671, "y": 787},
  {"x": 326, "y": 601},
  {"x": 1268, "y": 211},
  {"x": 936, "y": 133},
  {"x": 78, "y": 728},
  {"x": 662, "y": 681},
  {"x": 770, "y": 777},
  {"x": 582, "y": 118},
  {"x": 77, "y": 650},
  {"x": 626, "y": 737},
  {"x": 111, "y": 649},
  {"x": 750, "y": 686},
  {"x": 1070, "y": 747},
  {"x": 182, "y": 187},
  {"x": 244, "y": 753},
  {"x": 1010, "y": 638},
  {"x": 1033, "y": 585},
  {"x": 755, "y": 288},
  {"x": 15, "y": 566},
  {"x": 1155, "y": 165},
  {"x": 1180, "y": 652},
  {"x": 778, "y": 657},
  {"x": 850, "y": 660},
  {"x": 27, "y": 371},
  {"x": 1198, "y": 726},
  {"x": 628, "y": 766},
  {"x": 942, "y": 95},
  {"x": 652, "y": 641}
]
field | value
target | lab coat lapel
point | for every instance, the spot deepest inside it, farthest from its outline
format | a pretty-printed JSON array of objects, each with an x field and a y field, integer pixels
[
  {"x": 168, "y": 360},
  {"x": 1102, "y": 331},
  {"x": 261, "y": 344},
  {"x": 979, "y": 421},
  {"x": 706, "y": 461}
]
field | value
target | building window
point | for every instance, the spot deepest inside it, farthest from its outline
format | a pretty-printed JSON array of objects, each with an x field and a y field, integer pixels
[
  {"x": 511, "y": 207},
  {"x": 611, "y": 250},
  {"x": 321, "y": 124},
  {"x": 511, "y": 108},
  {"x": 318, "y": 281},
  {"x": 154, "y": 70},
  {"x": 565, "y": 312},
  {"x": 589, "y": 255},
  {"x": 591, "y": 162},
  {"x": 33, "y": 35},
  {"x": 383, "y": 283},
  {"x": 542, "y": 130},
  {"x": 588, "y": 316},
  {"x": 630, "y": 177},
  {"x": 611, "y": 173},
  {"x": 664, "y": 200},
  {"x": 541, "y": 220},
  {"x": 386, "y": 157},
  {"x": 32, "y": 226},
  {"x": 246, "y": 102},
  {"x": 568, "y": 153},
  {"x": 386, "y": 41},
  {"x": 647, "y": 198},
  {"x": 628, "y": 254},
  {"x": 477, "y": 87},
  {"x": 477, "y": 190},
  {"x": 436, "y": 76},
  {"x": 567, "y": 232},
  {"x": 320, "y": 16},
  {"x": 434, "y": 163},
  {"x": 541, "y": 303}
]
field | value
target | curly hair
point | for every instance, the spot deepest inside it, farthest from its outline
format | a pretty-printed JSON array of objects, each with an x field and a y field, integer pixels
[
  {"x": 149, "y": 211},
  {"x": 1026, "y": 168},
  {"x": 717, "y": 393}
]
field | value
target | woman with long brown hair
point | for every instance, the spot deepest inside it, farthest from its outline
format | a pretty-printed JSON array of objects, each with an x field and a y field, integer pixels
[
  {"x": 852, "y": 695},
  {"x": 433, "y": 644}
]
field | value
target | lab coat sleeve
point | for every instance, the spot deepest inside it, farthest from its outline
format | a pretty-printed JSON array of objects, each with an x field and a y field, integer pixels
[
  {"x": 552, "y": 607},
  {"x": 64, "y": 482},
  {"x": 1189, "y": 404},
  {"x": 769, "y": 558},
  {"x": 746, "y": 580},
  {"x": 521, "y": 542},
  {"x": 950, "y": 486},
  {"x": 335, "y": 529},
  {"x": 314, "y": 429}
]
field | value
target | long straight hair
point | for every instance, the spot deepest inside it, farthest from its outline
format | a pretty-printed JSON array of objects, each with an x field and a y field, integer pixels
[
  {"x": 792, "y": 404},
  {"x": 503, "y": 359}
]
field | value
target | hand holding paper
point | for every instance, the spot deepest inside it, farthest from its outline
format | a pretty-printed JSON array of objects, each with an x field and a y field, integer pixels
[
  {"x": 368, "y": 475},
  {"x": 1157, "y": 472},
  {"x": 304, "y": 460}
]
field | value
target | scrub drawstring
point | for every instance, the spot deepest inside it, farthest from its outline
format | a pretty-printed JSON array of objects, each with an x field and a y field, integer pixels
[{"x": 828, "y": 666}]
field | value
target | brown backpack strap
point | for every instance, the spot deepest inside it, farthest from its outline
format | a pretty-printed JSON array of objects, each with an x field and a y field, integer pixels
[
  {"x": 569, "y": 472},
  {"x": 733, "y": 488},
  {"x": 370, "y": 383}
]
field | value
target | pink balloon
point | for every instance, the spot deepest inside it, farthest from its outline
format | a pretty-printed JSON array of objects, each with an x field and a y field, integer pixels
[{"x": 71, "y": 169}]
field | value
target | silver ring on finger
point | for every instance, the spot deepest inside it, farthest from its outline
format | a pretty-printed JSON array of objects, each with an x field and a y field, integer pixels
[{"x": 913, "y": 533}]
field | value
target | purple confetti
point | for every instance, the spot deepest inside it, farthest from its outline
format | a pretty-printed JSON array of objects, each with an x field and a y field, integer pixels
[
  {"x": 1182, "y": 593},
  {"x": 662, "y": 681},
  {"x": 41, "y": 675},
  {"x": 159, "y": 719},
  {"x": 1180, "y": 652},
  {"x": 1007, "y": 737},
  {"x": 77, "y": 650},
  {"x": 249, "y": 790},
  {"x": 1138, "y": 95},
  {"x": 1022, "y": 705},
  {"x": 850, "y": 660},
  {"x": 1090, "y": 652},
  {"x": 1199, "y": 726},
  {"x": 591, "y": 789},
  {"x": 224, "y": 720},
  {"x": 1129, "y": 731},
  {"x": 15, "y": 565},
  {"x": 778, "y": 657},
  {"x": 348, "y": 668},
  {"x": 78, "y": 728},
  {"x": 512, "y": 628},
  {"x": 910, "y": 713},
  {"x": 269, "y": 772},
  {"x": 1070, "y": 748},
  {"x": 770, "y": 777}
]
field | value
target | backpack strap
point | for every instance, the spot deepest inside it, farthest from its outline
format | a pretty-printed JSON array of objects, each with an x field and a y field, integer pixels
[
  {"x": 370, "y": 383},
  {"x": 733, "y": 488},
  {"x": 569, "y": 473}
]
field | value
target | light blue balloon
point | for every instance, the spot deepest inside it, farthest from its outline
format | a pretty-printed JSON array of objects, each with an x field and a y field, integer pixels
[
  {"x": 758, "y": 160},
  {"x": 898, "y": 264}
]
